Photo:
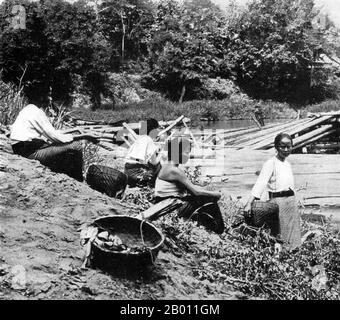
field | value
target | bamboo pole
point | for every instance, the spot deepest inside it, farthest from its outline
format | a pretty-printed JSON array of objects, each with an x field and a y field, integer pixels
[
  {"x": 250, "y": 140},
  {"x": 243, "y": 136},
  {"x": 321, "y": 114},
  {"x": 266, "y": 143},
  {"x": 190, "y": 133},
  {"x": 318, "y": 136},
  {"x": 105, "y": 147},
  {"x": 171, "y": 125},
  {"x": 307, "y": 136},
  {"x": 133, "y": 134}
]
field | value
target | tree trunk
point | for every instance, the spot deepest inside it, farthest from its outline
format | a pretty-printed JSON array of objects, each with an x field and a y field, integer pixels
[
  {"x": 182, "y": 94},
  {"x": 123, "y": 38}
]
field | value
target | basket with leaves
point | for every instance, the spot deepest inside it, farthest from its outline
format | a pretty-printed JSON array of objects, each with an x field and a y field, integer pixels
[{"x": 121, "y": 240}]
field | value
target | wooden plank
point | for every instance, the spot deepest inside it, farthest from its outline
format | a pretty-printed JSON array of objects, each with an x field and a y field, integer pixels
[
  {"x": 132, "y": 133},
  {"x": 221, "y": 132},
  {"x": 269, "y": 141},
  {"x": 171, "y": 125},
  {"x": 263, "y": 138},
  {"x": 260, "y": 135},
  {"x": 293, "y": 128},
  {"x": 191, "y": 135},
  {"x": 242, "y": 136},
  {"x": 307, "y": 136},
  {"x": 160, "y": 209},
  {"x": 321, "y": 114},
  {"x": 315, "y": 138},
  {"x": 106, "y": 147},
  {"x": 329, "y": 146}
]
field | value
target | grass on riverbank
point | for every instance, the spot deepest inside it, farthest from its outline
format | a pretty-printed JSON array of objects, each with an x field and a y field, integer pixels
[
  {"x": 236, "y": 107},
  {"x": 12, "y": 101}
]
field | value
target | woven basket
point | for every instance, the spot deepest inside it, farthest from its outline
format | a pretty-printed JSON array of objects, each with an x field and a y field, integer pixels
[
  {"x": 265, "y": 214},
  {"x": 106, "y": 180},
  {"x": 134, "y": 233}
]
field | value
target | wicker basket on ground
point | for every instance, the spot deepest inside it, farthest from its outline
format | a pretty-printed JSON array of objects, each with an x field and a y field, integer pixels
[
  {"x": 106, "y": 180},
  {"x": 265, "y": 214},
  {"x": 142, "y": 239}
]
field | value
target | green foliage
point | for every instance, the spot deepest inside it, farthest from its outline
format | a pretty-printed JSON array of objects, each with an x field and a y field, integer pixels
[
  {"x": 249, "y": 262},
  {"x": 237, "y": 106},
  {"x": 12, "y": 101},
  {"x": 125, "y": 25},
  {"x": 325, "y": 106},
  {"x": 181, "y": 49},
  {"x": 124, "y": 88},
  {"x": 186, "y": 50},
  {"x": 273, "y": 47},
  {"x": 60, "y": 42}
]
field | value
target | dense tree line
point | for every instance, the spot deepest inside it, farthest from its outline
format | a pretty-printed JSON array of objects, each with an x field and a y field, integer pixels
[{"x": 267, "y": 49}]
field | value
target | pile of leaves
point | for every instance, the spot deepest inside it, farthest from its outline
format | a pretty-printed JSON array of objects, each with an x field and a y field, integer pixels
[{"x": 247, "y": 258}]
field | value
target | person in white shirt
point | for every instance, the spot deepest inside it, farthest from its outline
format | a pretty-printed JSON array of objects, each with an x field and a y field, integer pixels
[
  {"x": 34, "y": 137},
  {"x": 277, "y": 176},
  {"x": 142, "y": 161},
  {"x": 198, "y": 203}
]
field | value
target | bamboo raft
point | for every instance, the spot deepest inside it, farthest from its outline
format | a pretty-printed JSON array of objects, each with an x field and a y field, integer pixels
[
  {"x": 312, "y": 130},
  {"x": 116, "y": 133}
]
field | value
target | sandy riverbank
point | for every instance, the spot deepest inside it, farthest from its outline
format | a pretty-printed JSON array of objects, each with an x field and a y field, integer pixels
[{"x": 40, "y": 213}]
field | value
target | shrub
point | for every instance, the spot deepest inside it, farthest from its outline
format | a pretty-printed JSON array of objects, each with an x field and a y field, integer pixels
[
  {"x": 122, "y": 88},
  {"x": 250, "y": 263},
  {"x": 216, "y": 89},
  {"x": 12, "y": 101},
  {"x": 325, "y": 106}
]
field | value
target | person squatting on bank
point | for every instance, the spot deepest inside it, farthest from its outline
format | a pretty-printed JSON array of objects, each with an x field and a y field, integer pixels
[{"x": 34, "y": 137}]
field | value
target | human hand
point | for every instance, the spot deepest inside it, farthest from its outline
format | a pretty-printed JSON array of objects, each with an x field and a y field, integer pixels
[
  {"x": 247, "y": 210},
  {"x": 217, "y": 195},
  {"x": 91, "y": 138}
]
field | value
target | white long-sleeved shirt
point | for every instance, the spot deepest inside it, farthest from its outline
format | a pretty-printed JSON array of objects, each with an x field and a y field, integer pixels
[
  {"x": 32, "y": 123},
  {"x": 276, "y": 175},
  {"x": 144, "y": 149}
]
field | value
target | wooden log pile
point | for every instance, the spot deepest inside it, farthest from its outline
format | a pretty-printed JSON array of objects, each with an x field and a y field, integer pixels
[
  {"x": 120, "y": 132},
  {"x": 304, "y": 132}
]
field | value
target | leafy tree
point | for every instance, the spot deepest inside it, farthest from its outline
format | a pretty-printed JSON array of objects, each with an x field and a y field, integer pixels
[
  {"x": 274, "y": 48},
  {"x": 181, "y": 48},
  {"x": 60, "y": 42},
  {"x": 125, "y": 25},
  {"x": 23, "y": 50}
]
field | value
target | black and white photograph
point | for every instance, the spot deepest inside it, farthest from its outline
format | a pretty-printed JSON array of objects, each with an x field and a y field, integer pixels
[{"x": 178, "y": 152}]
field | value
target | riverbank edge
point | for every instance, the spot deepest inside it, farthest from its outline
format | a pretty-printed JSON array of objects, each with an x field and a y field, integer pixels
[{"x": 198, "y": 110}]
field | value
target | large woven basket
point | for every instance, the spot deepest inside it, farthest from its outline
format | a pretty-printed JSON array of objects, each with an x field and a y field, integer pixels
[
  {"x": 134, "y": 233},
  {"x": 106, "y": 180},
  {"x": 265, "y": 214}
]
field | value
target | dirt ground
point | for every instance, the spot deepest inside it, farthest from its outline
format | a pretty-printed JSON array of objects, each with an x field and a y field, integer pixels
[{"x": 40, "y": 252}]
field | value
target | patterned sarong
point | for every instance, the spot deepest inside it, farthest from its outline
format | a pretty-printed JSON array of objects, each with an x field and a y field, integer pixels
[
  {"x": 61, "y": 158},
  {"x": 204, "y": 210},
  {"x": 289, "y": 221}
]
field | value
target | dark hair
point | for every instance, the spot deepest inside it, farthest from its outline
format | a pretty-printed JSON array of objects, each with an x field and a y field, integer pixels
[
  {"x": 175, "y": 147},
  {"x": 280, "y": 136},
  {"x": 151, "y": 124}
]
